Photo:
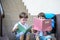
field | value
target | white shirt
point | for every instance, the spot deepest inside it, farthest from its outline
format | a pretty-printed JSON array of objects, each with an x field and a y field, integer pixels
[
  {"x": 25, "y": 25},
  {"x": 40, "y": 33}
]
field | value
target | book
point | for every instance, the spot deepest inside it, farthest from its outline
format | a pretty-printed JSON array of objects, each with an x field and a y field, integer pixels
[
  {"x": 41, "y": 24},
  {"x": 29, "y": 29},
  {"x": 22, "y": 29}
]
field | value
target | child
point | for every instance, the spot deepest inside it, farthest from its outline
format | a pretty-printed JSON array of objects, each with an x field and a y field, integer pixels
[
  {"x": 43, "y": 35},
  {"x": 23, "y": 18}
]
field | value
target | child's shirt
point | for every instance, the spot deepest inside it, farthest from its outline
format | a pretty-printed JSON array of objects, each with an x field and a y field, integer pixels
[
  {"x": 20, "y": 26},
  {"x": 40, "y": 33}
]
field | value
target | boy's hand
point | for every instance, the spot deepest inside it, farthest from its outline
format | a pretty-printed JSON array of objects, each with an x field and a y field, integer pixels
[{"x": 49, "y": 29}]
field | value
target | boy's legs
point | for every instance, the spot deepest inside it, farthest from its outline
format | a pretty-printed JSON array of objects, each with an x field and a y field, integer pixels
[
  {"x": 37, "y": 37},
  {"x": 20, "y": 36},
  {"x": 48, "y": 37},
  {"x": 28, "y": 36},
  {"x": 45, "y": 37}
]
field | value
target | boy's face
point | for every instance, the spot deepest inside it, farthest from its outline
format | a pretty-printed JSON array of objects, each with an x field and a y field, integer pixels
[
  {"x": 41, "y": 18},
  {"x": 23, "y": 20}
]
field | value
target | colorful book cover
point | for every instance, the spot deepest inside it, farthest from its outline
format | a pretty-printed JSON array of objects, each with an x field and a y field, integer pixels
[
  {"x": 41, "y": 24},
  {"x": 22, "y": 29}
]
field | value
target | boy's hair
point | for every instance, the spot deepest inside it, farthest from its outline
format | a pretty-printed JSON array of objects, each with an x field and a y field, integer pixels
[
  {"x": 41, "y": 15},
  {"x": 23, "y": 15}
]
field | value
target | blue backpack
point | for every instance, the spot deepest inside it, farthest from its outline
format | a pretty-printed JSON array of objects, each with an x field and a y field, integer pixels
[{"x": 53, "y": 17}]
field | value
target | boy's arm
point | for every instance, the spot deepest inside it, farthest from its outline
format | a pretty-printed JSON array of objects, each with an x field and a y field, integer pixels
[
  {"x": 15, "y": 28},
  {"x": 32, "y": 30}
]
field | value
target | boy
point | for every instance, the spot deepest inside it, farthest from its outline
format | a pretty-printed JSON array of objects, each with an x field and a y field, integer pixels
[
  {"x": 43, "y": 35},
  {"x": 19, "y": 31}
]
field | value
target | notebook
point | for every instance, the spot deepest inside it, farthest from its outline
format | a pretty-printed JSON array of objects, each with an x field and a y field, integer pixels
[{"x": 41, "y": 24}]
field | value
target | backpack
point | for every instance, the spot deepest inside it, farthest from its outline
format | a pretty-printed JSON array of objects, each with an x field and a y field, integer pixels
[{"x": 53, "y": 17}]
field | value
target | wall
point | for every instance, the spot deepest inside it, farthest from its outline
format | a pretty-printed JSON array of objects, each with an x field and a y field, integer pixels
[
  {"x": 12, "y": 8},
  {"x": 36, "y": 6}
]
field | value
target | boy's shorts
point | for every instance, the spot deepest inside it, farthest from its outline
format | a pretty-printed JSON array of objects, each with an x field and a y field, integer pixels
[
  {"x": 45, "y": 37},
  {"x": 19, "y": 34}
]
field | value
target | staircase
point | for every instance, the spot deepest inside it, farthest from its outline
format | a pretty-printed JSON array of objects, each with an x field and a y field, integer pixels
[{"x": 4, "y": 37}]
